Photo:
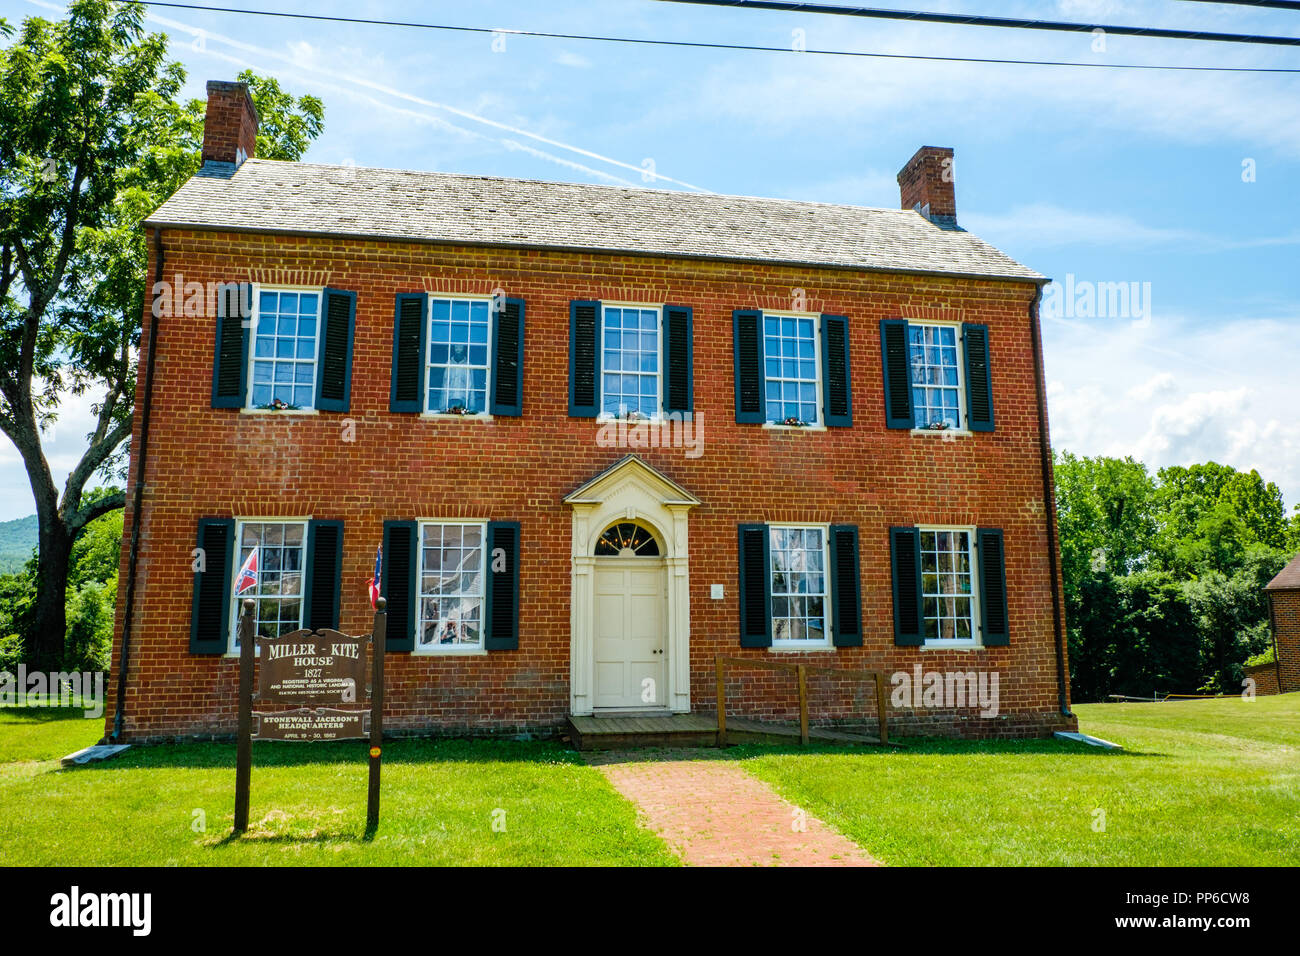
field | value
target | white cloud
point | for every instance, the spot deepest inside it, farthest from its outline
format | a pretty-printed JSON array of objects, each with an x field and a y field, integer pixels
[
  {"x": 63, "y": 442},
  {"x": 566, "y": 58},
  {"x": 1159, "y": 384},
  {"x": 1195, "y": 392}
]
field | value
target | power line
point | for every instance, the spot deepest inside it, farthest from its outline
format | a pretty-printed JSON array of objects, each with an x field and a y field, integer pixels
[
  {"x": 1276, "y": 4},
  {"x": 963, "y": 19},
  {"x": 699, "y": 44}
]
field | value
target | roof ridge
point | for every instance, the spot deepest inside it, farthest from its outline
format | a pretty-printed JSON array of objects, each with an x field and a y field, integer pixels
[{"x": 705, "y": 194}]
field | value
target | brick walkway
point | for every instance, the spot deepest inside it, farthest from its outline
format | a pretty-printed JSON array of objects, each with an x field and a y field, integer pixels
[{"x": 712, "y": 813}]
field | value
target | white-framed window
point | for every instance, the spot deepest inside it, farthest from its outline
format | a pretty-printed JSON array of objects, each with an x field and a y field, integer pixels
[
  {"x": 458, "y": 364},
  {"x": 800, "y": 586},
  {"x": 452, "y": 574},
  {"x": 281, "y": 562},
  {"x": 791, "y": 368},
  {"x": 950, "y": 600},
  {"x": 285, "y": 347},
  {"x": 934, "y": 357},
  {"x": 631, "y": 360}
]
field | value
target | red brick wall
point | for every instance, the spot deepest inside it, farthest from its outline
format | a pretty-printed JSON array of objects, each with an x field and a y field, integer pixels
[
  {"x": 1286, "y": 634},
  {"x": 1265, "y": 678},
  {"x": 208, "y": 462}
]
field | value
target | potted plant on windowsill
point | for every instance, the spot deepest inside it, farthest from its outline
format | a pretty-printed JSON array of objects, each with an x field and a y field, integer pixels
[
  {"x": 938, "y": 426},
  {"x": 278, "y": 405},
  {"x": 795, "y": 422},
  {"x": 455, "y": 410}
]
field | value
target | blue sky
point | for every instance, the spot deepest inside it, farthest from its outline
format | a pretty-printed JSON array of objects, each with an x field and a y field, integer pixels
[{"x": 1105, "y": 175}]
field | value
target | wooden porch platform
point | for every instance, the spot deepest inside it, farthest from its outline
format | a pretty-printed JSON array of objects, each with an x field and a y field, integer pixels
[{"x": 635, "y": 731}]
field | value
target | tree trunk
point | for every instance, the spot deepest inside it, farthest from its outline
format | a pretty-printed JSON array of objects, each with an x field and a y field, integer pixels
[{"x": 49, "y": 611}]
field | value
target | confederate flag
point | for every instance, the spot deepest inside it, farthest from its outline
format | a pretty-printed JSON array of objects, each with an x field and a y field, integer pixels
[{"x": 247, "y": 574}]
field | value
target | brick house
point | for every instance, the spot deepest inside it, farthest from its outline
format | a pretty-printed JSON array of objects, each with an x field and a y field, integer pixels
[
  {"x": 603, "y": 435},
  {"x": 1283, "y": 675}
]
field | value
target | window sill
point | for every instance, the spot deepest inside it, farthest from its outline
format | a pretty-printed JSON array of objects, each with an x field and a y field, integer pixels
[
  {"x": 778, "y": 427},
  {"x": 467, "y": 652},
  {"x": 447, "y": 417},
  {"x": 815, "y": 649},
  {"x": 955, "y": 432},
  {"x": 951, "y": 646},
  {"x": 606, "y": 419},
  {"x": 280, "y": 411}
]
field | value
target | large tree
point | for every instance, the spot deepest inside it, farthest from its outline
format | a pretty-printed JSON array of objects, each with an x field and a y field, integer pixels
[{"x": 92, "y": 139}]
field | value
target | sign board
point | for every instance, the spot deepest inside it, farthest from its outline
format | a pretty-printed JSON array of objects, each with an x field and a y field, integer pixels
[
  {"x": 308, "y": 667},
  {"x": 312, "y": 667},
  {"x": 305, "y": 724}
]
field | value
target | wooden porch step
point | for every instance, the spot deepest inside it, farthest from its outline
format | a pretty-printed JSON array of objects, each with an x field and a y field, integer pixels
[{"x": 651, "y": 730}]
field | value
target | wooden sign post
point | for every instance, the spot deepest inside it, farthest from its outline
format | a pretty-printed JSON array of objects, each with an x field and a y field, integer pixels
[
  {"x": 244, "y": 746},
  {"x": 377, "y": 646},
  {"x": 309, "y": 667}
]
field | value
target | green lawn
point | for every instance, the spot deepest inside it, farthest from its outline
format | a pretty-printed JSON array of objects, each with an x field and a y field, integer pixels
[
  {"x": 1214, "y": 783},
  {"x": 1200, "y": 783},
  {"x": 308, "y": 804}
]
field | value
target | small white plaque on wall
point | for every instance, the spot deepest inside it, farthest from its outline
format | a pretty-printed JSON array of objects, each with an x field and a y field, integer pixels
[{"x": 715, "y": 591}]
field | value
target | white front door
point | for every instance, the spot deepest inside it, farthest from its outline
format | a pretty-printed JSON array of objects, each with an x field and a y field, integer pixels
[{"x": 631, "y": 594}]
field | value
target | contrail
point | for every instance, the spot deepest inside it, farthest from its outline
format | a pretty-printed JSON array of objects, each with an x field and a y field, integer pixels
[{"x": 198, "y": 32}]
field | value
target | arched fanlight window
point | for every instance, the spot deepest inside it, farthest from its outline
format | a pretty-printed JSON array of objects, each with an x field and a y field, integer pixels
[{"x": 627, "y": 537}]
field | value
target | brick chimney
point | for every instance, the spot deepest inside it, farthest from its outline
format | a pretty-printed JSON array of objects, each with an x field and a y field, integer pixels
[
  {"x": 230, "y": 127},
  {"x": 927, "y": 185}
]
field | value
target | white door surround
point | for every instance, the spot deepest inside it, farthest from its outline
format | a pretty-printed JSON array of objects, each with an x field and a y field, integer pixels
[{"x": 630, "y": 490}]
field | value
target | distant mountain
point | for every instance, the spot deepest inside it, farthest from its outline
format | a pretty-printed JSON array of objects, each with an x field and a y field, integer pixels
[{"x": 17, "y": 542}]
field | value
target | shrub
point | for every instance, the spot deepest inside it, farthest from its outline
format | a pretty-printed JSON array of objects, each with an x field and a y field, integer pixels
[
  {"x": 1266, "y": 657},
  {"x": 11, "y": 653},
  {"x": 89, "y": 636}
]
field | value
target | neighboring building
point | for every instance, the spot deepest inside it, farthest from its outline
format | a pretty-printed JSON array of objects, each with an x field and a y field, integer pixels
[
  {"x": 449, "y": 347},
  {"x": 1284, "y": 613}
]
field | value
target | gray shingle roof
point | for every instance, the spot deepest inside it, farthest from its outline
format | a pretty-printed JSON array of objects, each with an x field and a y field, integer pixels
[
  {"x": 305, "y": 198},
  {"x": 1288, "y": 579}
]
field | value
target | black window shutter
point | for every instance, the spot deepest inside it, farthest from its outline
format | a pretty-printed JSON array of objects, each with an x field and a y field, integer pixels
[
  {"x": 334, "y": 373},
  {"x": 679, "y": 359},
  {"x": 210, "y": 612},
  {"x": 322, "y": 576},
  {"x": 584, "y": 360},
  {"x": 993, "y": 587},
  {"x": 410, "y": 317},
  {"x": 747, "y": 336},
  {"x": 898, "y": 376},
  {"x": 846, "y": 594},
  {"x": 230, "y": 360},
  {"x": 755, "y": 586},
  {"x": 501, "y": 616},
  {"x": 837, "y": 385},
  {"x": 979, "y": 380},
  {"x": 905, "y": 556},
  {"x": 508, "y": 360},
  {"x": 400, "y": 570}
]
